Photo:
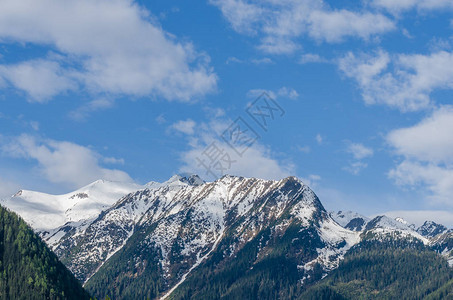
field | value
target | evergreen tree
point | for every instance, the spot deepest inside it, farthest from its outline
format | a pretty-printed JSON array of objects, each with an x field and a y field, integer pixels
[{"x": 28, "y": 269}]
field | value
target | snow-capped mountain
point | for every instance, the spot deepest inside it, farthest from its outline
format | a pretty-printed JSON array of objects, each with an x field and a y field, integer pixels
[
  {"x": 44, "y": 211},
  {"x": 350, "y": 220},
  {"x": 383, "y": 227},
  {"x": 189, "y": 219},
  {"x": 430, "y": 229},
  {"x": 164, "y": 232}
]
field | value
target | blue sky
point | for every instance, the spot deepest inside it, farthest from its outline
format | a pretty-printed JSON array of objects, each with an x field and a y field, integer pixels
[{"x": 138, "y": 91}]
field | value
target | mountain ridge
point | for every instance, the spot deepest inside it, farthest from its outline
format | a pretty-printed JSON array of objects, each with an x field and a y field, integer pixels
[{"x": 174, "y": 228}]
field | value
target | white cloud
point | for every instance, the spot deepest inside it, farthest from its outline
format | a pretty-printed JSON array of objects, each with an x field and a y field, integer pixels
[
  {"x": 262, "y": 61},
  {"x": 304, "y": 149},
  {"x": 113, "y": 160},
  {"x": 355, "y": 167},
  {"x": 255, "y": 93},
  {"x": 438, "y": 180},
  {"x": 281, "y": 23},
  {"x": 408, "y": 85},
  {"x": 404, "y": 5},
  {"x": 255, "y": 61},
  {"x": 283, "y": 92},
  {"x": 437, "y": 44},
  {"x": 431, "y": 140},
  {"x": 256, "y": 161},
  {"x": 312, "y": 58},
  {"x": 63, "y": 162},
  {"x": 288, "y": 93},
  {"x": 40, "y": 79},
  {"x": 214, "y": 112},
  {"x": 319, "y": 139},
  {"x": 99, "y": 53},
  {"x": 34, "y": 125},
  {"x": 427, "y": 151},
  {"x": 407, "y": 34},
  {"x": 240, "y": 14},
  {"x": 334, "y": 26},
  {"x": 359, "y": 151},
  {"x": 184, "y": 126},
  {"x": 233, "y": 59},
  {"x": 278, "y": 45},
  {"x": 84, "y": 111},
  {"x": 160, "y": 119}
]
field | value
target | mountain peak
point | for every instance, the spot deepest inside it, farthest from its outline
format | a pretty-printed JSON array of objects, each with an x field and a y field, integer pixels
[
  {"x": 431, "y": 229},
  {"x": 350, "y": 220},
  {"x": 382, "y": 226},
  {"x": 192, "y": 179},
  {"x": 185, "y": 178},
  {"x": 47, "y": 211},
  {"x": 401, "y": 220},
  {"x": 18, "y": 194}
]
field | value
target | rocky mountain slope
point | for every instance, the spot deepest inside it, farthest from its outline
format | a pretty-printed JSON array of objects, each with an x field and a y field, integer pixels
[{"x": 177, "y": 233}]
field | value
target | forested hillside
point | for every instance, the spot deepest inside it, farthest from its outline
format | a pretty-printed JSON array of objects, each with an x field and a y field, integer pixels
[
  {"x": 375, "y": 270},
  {"x": 28, "y": 269}
]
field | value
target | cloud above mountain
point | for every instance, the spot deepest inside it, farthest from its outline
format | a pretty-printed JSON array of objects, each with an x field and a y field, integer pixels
[
  {"x": 426, "y": 149},
  {"x": 63, "y": 162},
  {"x": 113, "y": 47}
]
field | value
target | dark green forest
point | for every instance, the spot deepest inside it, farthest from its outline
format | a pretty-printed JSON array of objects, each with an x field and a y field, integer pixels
[
  {"x": 121, "y": 278},
  {"x": 28, "y": 269},
  {"x": 375, "y": 270},
  {"x": 248, "y": 275}
]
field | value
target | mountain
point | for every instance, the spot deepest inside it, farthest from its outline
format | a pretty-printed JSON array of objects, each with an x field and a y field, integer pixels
[
  {"x": 350, "y": 220},
  {"x": 443, "y": 244},
  {"x": 385, "y": 228},
  {"x": 28, "y": 269},
  {"x": 243, "y": 224},
  {"x": 44, "y": 211},
  {"x": 166, "y": 231},
  {"x": 430, "y": 229},
  {"x": 249, "y": 238},
  {"x": 376, "y": 270}
]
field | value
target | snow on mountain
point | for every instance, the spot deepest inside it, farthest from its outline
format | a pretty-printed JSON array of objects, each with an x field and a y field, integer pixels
[
  {"x": 382, "y": 227},
  {"x": 443, "y": 243},
  {"x": 44, "y": 211},
  {"x": 180, "y": 222},
  {"x": 430, "y": 229},
  {"x": 167, "y": 205},
  {"x": 403, "y": 221},
  {"x": 333, "y": 234},
  {"x": 350, "y": 220},
  {"x": 195, "y": 217},
  {"x": 378, "y": 227}
]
